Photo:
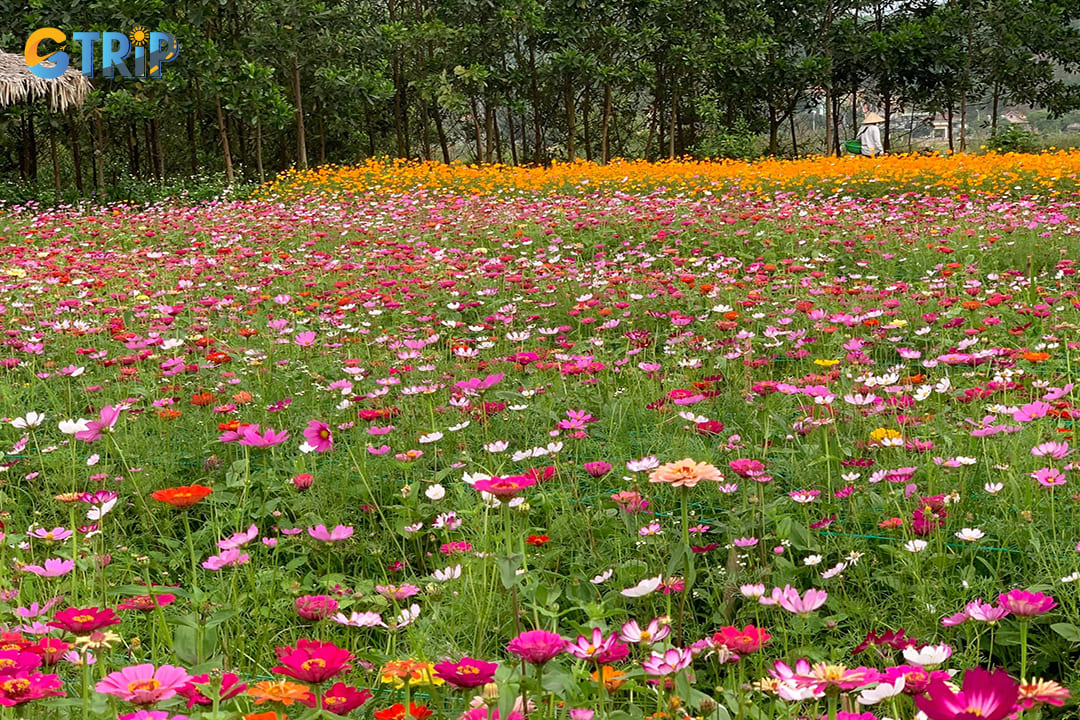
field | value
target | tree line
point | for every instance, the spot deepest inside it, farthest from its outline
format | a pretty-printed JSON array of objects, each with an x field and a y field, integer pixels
[{"x": 262, "y": 85}]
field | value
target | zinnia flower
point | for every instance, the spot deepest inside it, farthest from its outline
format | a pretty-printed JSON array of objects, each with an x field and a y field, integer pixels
[
  {"x": 279, "y": 691},
  {"x": 144, "y": 684},
  {"x": 231, "y": 686},
  {"x": 685, "y": 473},
  {"x": 182, "y": 497},
  {"x": 341, "y": 699},
  {"x": 466, "y": 673},
  {"x": 504, "y": 488},
  {"x": 748, "y": 640},
  {"x": 537, "y": 647},
  {"x": 83, "y": 621},
  {"x": 23, "y": 687},
  {"x": 312, "y": 661}
]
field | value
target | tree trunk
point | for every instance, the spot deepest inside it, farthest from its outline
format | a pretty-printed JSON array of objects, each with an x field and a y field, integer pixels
[
  {"x": 605, "y": 125},
  {"x": 159, "y": 150},
  {"x": 224, "y": 133},
  {"x": 886, "y": 142},
  {"x": 513, "y": 141},
  {"x": 301, "y": 140},
  {"x": 99, "y": 152},
  {"x": 258, "y": 149},
  {"x": 948, "y": 128},
  {"x": 476, "y": 131},
  {"x": 133, "y": 150},
  {"x": 150, "y": 159},
  {"x": 568, "y": 89},
  {"x": 193, "y": 153},
  {"x": 322, "y": 132},
  {"x": 538, "y": 135},
  {"x": 994, "y": 109},
  {"x": 55, "y": 164},
  {"x": 425, "y": 129},
  {"x": 828, "y": 122},
  {"x": 76, "y": 153},
  {"x": 794, "y": 141},
  {"x": 370, "y": 130},
  {"x": 489, "y": 131},
  {"x": 443, "y": 145},
  {"x": 774, "y": 132},
  {"x": 32, "y": 164},
  {"x": 498, "y": 135},
  {"x": 673, "y": 125},
  {"x": 586, "y": 136}
]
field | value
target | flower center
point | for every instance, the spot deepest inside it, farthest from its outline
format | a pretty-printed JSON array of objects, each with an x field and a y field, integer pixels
[
  {"x": 83, "y": 618},
  {"x": 15, "y": 688},
  {"x": 313, "y": 662},
  {"x": 144, "y": 685}
]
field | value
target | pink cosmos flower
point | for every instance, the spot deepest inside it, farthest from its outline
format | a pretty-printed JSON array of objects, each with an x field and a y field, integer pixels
[
  {"x": 57, "y": 534},
  {"x": 1053, "y": 450},
  {"x": 108, "y": 417},
  {"x": 151, "y": 715},
  {"x": 318, "y": 436},
  {"x": 227, "y": 558},
  {"x": 397, "y": 592},
  {"x": 53, "y": 567},
  {"x": 985, "y": 612},
  {"x": 1025, "y": 604},
  {"x": 670, "y": 662},
  {"x": 252, "y": 437},
  {"x": 825, "y": 676},
  {"x": 597, "y": 649},
  {"x": 537, "y": 647},
  {"x": 789, "y": 599},
  {"x": 305, "y": 339},
  {"x": 1049, "y": 477},
  {"x": 144, "y": 684},
  {"x": 340, "y": 532},
  {"x": 238, "y": 540},
  {"x": 656, "y": 631},
  {"x": 985, "y": 695},
  {"x": 1032, "y": 411}
]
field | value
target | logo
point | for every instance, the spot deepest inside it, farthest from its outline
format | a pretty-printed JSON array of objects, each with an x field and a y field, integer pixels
[{"x": 148, "y": 51}]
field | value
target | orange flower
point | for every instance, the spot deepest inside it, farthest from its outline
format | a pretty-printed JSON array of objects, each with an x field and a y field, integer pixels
[
  {"x": 266, "y": 716},
  {"x": 279, "y": 691},
  {"x": 202, "y": 399},
  {"x": 397, "y": 712},
  {"x": 613, "y": 679},
  {"x": 1035, "y": 356},
  {"x": 168, "y": 414},
  {"x": 242, "y": 398},
  {"x": 685, "y": 473},
  {"x": 182, "y": 497}
]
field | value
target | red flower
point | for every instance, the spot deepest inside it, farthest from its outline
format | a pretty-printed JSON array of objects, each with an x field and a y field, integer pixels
[
  {"x": 537, "y": 540},
  {"x": 397, "y": 712},
  {"x": 231, "y": 686},
  {"x": 83, "y": 621},
  {"x": 312, "y": 661},
  {"x": 748, "y": 640},
  {"x": 341, "y": 699},
  {"x": 182, "y": 497},
  {"x": 466, "y": 673}
]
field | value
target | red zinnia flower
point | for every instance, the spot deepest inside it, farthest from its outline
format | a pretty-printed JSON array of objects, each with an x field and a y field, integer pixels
[
  {"x": 182, "y": 497},
  {"x": 341, "y": 699},
  {"x": 466, "y": 673},
  {"x": 537, "y": 540},
  {"x": 397, "y": 712},
  {"x": 312, "y": 661}
]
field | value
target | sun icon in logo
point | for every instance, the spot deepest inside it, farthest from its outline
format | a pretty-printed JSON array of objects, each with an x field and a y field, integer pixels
[{"x": 139, "y": 36}]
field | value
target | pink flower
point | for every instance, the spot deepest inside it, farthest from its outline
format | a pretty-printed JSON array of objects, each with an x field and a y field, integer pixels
[
  {"x": 985, "y": 695},
  {"x": 312, "y": 661},
  {"x": 395, "y": 592},
  {"x": 985, "y": 612},
  {"x": 1025, "y": 604},
  {"x": 318, "y": 436},
  {"x": 597, "y": 469},
  {"x": 340, "y": 532},
  {"x": 151, "y": 715},
  {"x": 746, "y": 468},
  {"x": 1049, "y": 477},
  {"x": 144, "y": 684},
  {"x": 537, "y": 647},
  {"x": 504, "y": 488},
  {"x": 305, "y": 339},
  {"x": 239, "y": 540},
  {"x": 227, "y": 558},
  {"x": 789, "y": 599},
  {"x": 315, "y": 607},
  {"x": 597, "y": 648},
  {"x": 1032, "y": 411},
  {"x": 685, "y": 473},
  {"x": 824, "y": 676},
  {"x": 466, "y": 673},
  {"x": 53, "y": 567},
  {"x": 669, "y": 662},
  {"x": 109, "y": 415},
  {"x": 252, "y": 437},
  {"x": 1054, "y": 450},
  {"x": 23, "y": 687},
  {"x": 656, "y": 631}
]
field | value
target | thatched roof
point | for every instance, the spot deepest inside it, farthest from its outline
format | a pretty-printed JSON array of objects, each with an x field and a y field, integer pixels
[{"x": 19, "y": 85}]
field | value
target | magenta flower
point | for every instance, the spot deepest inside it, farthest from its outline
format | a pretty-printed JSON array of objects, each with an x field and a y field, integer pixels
[
  {"x": 466, "y": 673},
  {"x": 227, "y": 558},
  {"x": 746, "y": 468},
  {"x": 318, "y": 436},
  {"x": 144, "y": 684},
  {"x": 1025, "y": 604},
  {"x": 537, "y": 647},
  {"x": 151, "y": 715},
  {"x": 504, "y": 488},
  {"x": 252, "y": 437},
  {"x": 1032, "y": 411},
  {"x": 17, "y": 661},
  {"x": 396, "y": 592},
  {"x": 315, "y": 607},
  {"x": 305, "y": 339},
  {"x": 24, "y": 687},
  {"x": 312, "y": 661},
  {"x": 985, "y": 696},
  {"x": 985, "y": 612},
  {"x": 1054, "y": 450},
  {"x": 340, "y": 532},
  {"x": 597, "y": 469}
]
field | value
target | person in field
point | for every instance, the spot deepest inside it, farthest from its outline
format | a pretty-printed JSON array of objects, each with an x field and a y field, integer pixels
[{"x": 870, "y": 135}]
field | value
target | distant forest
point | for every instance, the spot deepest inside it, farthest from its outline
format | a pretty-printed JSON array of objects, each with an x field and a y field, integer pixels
[{"x": 262, "y": 85}]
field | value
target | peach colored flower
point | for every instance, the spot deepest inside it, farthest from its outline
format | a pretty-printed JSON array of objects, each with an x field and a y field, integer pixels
[{"x": 685, "y": 473}]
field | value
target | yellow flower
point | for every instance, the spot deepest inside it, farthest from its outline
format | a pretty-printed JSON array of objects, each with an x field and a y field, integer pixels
[
  {"x": 826, "y": 363},
  {"x": 884, "y": 434}
]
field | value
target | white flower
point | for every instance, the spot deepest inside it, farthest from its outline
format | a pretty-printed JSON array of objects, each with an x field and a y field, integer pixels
[
  {"x": 93, "y": 460},
  {"x": 407, "y": 615},
  {"x": 602, "y": 577},
  {"x": 448, "y": 573},
  {"x": 915, "y": 545},
  {"x": 470, "y": 479},
  {"x": 1071, "y": 578},
  {"x": 30, "y": 420},
  {"x": 97, "y": 512},
  {"x": 928, "y": 655},
  {"x": 971, "y": 534},
  {"x": 306, "y": 448},
  {"x": 882, "y": 691},
  {"x": 435, "y": 492},
  {"x": 70, "y": 427},
  {"x": 993, "y": 488},
  {"x": 171, "y": 344},
  {"x": 812, "y": 560},
  {"x": 643, "y": 588},
  {"x": 496, "y": 447},
  {"x": 430, "y": 438}
]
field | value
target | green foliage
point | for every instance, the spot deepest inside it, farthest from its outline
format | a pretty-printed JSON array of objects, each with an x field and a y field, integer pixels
[{"x": 1013, "y": 139}]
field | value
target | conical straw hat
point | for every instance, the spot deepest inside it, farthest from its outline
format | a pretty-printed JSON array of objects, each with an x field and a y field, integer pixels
[{"x": 872, "y": 118}]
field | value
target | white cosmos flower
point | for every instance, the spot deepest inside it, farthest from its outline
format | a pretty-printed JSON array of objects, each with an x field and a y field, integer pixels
[
  {"x": 993, "y": 488},
  {"x": 882, "y": 691},
  {"x": 915, "y": 545},
  {"x": 30, "y": 420},
  {"x": 430, "y": 438},
  {"x": 602, "y": 577},
  {"x": 435, "y": 492},
  {"x": 643, "y": 588},
  {"x": 970, "y": 534},
  {"x": 447, "y": 573},
  {"x": 70, "y": 427},
  {"x": 928, "y": 655},
  {"x": 496, "y": 447},
  {"x": 171, "y": 344},
  {"x": 812, "y": 560},
  {"x": 407, "y": 616},
  {"x": 97, "y": 512}
]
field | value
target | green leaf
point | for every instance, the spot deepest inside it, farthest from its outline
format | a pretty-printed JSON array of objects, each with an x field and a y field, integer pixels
[
  {"x": 1068, "y": 631},
  {"x": 508, "y": 567}
]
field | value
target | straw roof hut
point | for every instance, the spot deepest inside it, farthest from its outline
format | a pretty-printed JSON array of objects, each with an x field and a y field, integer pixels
[{"x": 18, "y": 85}]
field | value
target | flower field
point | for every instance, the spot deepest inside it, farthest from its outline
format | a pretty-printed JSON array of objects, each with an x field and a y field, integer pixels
[{"x": 682, "y": 440}]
